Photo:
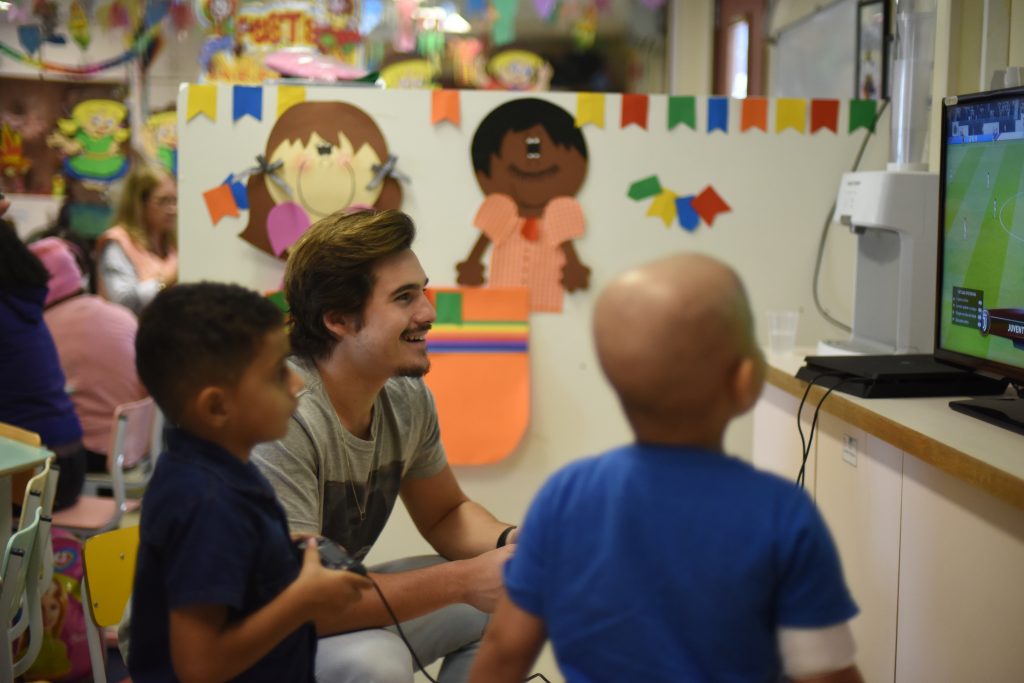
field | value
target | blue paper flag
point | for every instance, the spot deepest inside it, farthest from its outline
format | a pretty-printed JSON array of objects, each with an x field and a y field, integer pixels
[
  {"x": 30, "y": 38},
  {"x": 688, "y": 218},
  {"x": 248, "y": 99},
  {"x": 238, "y": 191},
  {"x": 156, "y": 10},
  {"x": 718, "y": 114},
  {"x": 475, "y": 7}
]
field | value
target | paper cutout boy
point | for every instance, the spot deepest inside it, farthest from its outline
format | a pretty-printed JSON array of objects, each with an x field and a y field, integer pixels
[{"x": 530, "y": 160}]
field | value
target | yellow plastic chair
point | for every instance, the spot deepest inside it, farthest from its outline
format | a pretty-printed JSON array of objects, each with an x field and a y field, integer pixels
[{"x": 109, "y": 561}]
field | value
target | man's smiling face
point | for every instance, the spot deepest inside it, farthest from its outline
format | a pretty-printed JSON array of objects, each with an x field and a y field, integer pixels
[{"x": 532, "y": 170}]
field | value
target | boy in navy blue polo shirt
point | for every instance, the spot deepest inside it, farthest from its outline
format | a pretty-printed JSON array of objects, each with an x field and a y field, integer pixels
[{"x": 220, "y": 592}]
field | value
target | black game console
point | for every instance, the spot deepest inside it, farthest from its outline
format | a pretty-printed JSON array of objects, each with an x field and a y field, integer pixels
[
  {"x": 896, "y": 376},
  {"x": 334, "y": 556}
]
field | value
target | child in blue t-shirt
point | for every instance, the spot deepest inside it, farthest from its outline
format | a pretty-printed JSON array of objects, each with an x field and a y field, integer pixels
[
  {"x": 665, "y": 559},
  {"x": 221, "y": 593}
]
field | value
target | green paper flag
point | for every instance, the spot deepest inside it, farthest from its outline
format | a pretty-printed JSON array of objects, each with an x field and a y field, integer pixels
[
  {"x": 642, "y": 189},
  {"x": 449, "y": 308},
  {"x": 682, "y": 109},
  {"x": 862, "y": 115},
  {"x": 277, "y": 298}
]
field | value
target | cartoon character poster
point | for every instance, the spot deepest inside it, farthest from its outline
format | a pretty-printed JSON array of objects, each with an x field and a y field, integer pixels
[
  {"x": 91, "y": 141},
  {"x": 160, "y": 140},
  {"x": 530, "y": 160},
  {"x": 321, "y": 157}
]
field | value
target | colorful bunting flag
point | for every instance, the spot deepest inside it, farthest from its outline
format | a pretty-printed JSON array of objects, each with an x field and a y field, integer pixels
[
  {"x": 247, "y": 99},
  {"x": 288, "y": 95},
  {"x": 682, "y": 109},
  {"x": 754, "y": 114},
  {"x": 445, "y": 106},
  {"x": 718, "y": 114},
  {"x": 664, "y": 207},
  {"x": 862, "y": 114},
  {"x": 590, "y": 109},
  {"x": 688, "y": 218},
  {"x": 503, "y": 28},
  {"x": 824, "y": 114},
  {"x": 220, "y": 202},
  {"x": 708, "y": 205},
  {"x": 202, "y": 99},
  {"x": 238, "y": 191},
  {"x": 634, "y": 110},
  {"x": 790, "y": 112},
  {"x": 642, "y": 189}
]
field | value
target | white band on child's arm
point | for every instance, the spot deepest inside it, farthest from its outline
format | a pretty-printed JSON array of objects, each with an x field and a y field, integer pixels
[{"x": 813, "y": 651}]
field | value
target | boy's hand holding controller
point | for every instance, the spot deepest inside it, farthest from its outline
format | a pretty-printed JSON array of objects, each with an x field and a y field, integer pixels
[{"x": 326, "y": 590}]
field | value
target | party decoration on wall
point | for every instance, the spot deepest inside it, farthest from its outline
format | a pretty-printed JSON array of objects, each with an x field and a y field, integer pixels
[
  {"x": 91, "y": 140},
  {"x": 78, "y": 24},
  {"x": 444, "y": 106},
  {"x": 754, "y": 114},
  {"x": 584, "y": 29},
  {"x": 790, "y": 112},
  {"x": 202, "y": 99},
  {"x": 689, "y": 210},
  {"x": 634, "y": 110},
  {"x": 307, "y": 63},
  {"x": 220, "y": 202},
  {"x": 142, "y": 46},
  {"x": 718, "y": 114},
  {"x": 530, "y": 160},
  {"x": 545, "y": 8},
  {"x": 288, "y": 96},
  {"x": 589, "y": 109},
  {"x": 160, "y": 139},
  {"x": 515, "y": 69},
  {"x": 862, "y": 114},
  {"x": 824, "y": 114},
  {"x": 682, "y": 109},
  {"x": 503, "y": 24},
  {"x": 12, "y": 159},
  {"x": 480, "y": 371},
  {"x": 321, "y": 157},
  {"x": 408, "y": 73},
  {"x": 246, "y": 100},
  {"x": 217, "y": 16}
]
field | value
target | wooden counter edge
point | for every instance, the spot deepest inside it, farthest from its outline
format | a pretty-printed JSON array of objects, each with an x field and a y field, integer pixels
[{"x": 957, "y": 464}]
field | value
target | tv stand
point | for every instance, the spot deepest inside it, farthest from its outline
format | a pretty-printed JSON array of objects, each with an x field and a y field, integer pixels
[{"x": 1003, "y": 411}]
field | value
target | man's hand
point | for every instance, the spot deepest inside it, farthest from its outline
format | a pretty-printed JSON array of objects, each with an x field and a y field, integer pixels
[{"x": 483, "y": 580}]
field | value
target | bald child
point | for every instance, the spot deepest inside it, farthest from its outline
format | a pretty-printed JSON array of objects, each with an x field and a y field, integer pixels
[{"x": 666, "y": 559}]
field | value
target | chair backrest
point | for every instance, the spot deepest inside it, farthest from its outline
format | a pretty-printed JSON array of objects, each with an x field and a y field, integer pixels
[
  {"x": 109, "y": 560},
  {"x": 35, "y": 485},
  {"x": 133, "y": 433},
  {"x": 20, "y": 606},
  {"x": 19, "y": 434}
]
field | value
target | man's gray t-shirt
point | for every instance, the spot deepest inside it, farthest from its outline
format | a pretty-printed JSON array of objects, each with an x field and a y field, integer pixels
[{"x": 340, "y": 486}]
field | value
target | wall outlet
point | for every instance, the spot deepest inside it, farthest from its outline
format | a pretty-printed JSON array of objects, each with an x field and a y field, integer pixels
[{"x": 849, "y": 450}]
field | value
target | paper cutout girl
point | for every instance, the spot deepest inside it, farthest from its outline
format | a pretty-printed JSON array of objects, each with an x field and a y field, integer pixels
[
  {"x": 330, "y": 154},
  {"x": 530, "y": 160},
  {"x": 160, "y": 139},
  {"x": 92, "y": 139}
]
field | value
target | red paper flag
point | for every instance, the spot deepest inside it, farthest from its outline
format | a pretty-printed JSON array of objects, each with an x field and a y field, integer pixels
[
  {"x": 634, "y": 110},
  {"x": 824, "y": 114},
  {"x": 220, "y": 202},
  {"x": 708, "y": 205},
  {"x": 754, "y": 114},
  {"x": 445, "y": 105}
]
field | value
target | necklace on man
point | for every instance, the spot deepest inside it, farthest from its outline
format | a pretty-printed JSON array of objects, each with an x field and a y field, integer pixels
[{"x": 361, "y": 507}]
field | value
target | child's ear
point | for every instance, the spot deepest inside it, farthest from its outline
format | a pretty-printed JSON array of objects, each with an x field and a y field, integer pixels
[
  {"x": 747, "y": 382},
  {"x": 211, "y": 406}
]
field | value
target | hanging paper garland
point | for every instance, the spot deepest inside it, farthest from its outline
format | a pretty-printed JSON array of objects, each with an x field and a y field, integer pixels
[{"x": 139, "y": 48}]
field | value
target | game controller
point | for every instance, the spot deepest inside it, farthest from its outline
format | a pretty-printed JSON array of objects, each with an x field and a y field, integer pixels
[{"x": 333, "y": 556}]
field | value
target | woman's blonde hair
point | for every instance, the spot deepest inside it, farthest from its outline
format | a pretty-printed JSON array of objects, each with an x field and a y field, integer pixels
[{"x": 131, "y": 209}]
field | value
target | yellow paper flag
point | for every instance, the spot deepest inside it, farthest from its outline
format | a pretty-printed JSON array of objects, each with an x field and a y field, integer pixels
[
  {"x": 287, "y": 95},
  {"x": 202, "y": 99},
  {"x": 590, "y": 109},
  {"x": 664, "y": 207},
  {"x": 790, "y": 112}
]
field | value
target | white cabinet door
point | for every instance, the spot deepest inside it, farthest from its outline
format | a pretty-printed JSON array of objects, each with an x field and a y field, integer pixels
[
  {"x": 961, "y": 600},
  {"x": 859, "y": 488},
  {"x": 776, "y": 445}
]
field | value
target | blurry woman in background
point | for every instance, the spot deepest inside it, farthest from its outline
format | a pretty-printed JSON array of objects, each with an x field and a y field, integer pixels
[
  {"x": 32, "y": 394},
  {"x": 138, "y": 256}
]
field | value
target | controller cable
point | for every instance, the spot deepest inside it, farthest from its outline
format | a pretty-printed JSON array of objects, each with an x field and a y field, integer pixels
[
  {"x": 408, "y": 645},
  {"x": 805, "y": 445}
]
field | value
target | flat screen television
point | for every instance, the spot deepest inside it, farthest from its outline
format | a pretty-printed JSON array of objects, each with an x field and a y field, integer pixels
[{"x": 980, "y": 292}]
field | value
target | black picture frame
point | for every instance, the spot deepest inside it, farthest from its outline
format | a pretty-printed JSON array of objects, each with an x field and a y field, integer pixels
[{"x": 871, "y": 61}]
